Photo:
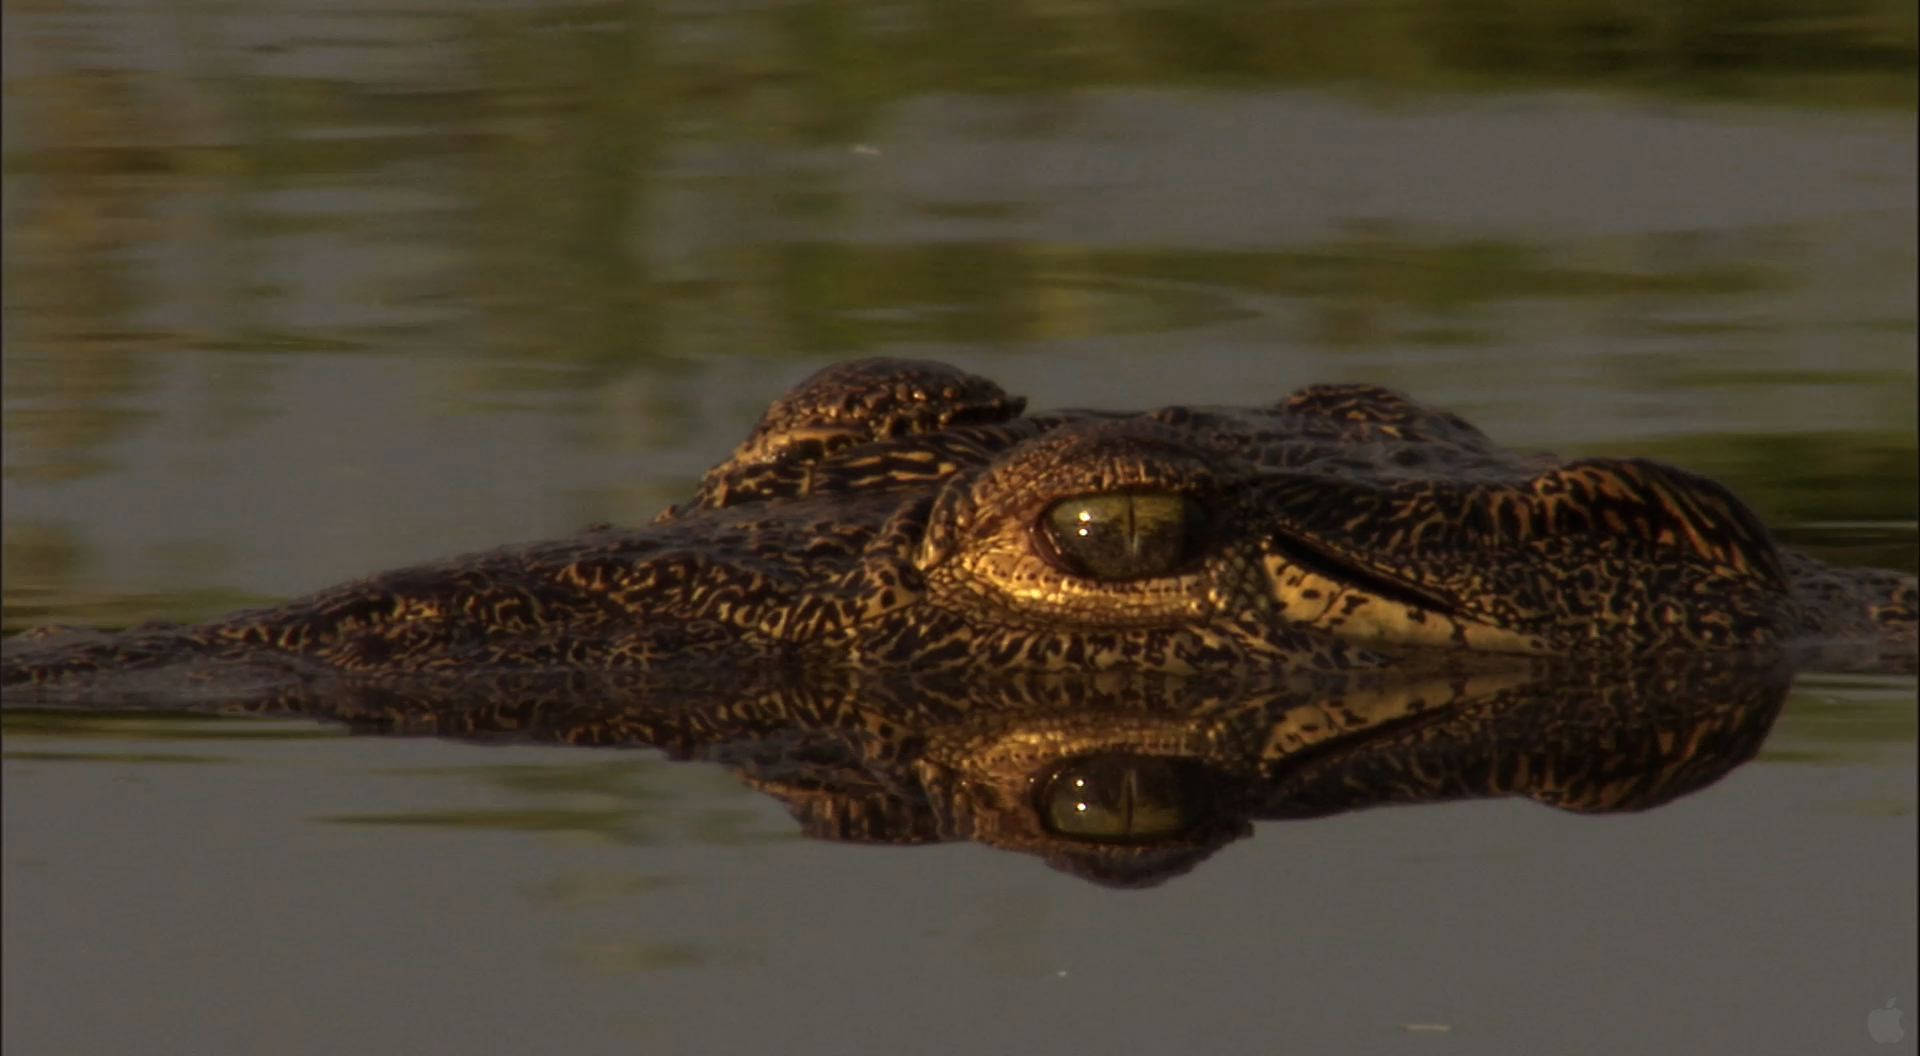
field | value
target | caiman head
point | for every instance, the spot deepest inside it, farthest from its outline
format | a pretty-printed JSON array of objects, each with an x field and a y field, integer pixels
[
  {"x": 1341, "y": 526},
  {"x": 892, "y": 514}
]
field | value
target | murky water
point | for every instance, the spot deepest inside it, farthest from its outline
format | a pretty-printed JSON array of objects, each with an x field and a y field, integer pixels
[{"x": 295, "y": 295}]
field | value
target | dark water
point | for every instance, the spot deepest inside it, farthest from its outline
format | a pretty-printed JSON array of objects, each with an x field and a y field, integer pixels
[{"x": 293, "y": 295}]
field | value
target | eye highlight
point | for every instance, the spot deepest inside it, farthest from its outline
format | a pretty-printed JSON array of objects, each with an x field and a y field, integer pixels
[{"x": 1122, "y": 535}]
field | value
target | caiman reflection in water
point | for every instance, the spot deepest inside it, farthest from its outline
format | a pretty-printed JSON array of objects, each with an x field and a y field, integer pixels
[{"x": 1123, "y": 779}]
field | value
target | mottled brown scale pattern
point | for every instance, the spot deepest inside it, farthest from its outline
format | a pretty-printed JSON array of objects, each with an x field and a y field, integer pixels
[
  {"x": 906, "y": 757},
  {"x": 892, "y": 514}
]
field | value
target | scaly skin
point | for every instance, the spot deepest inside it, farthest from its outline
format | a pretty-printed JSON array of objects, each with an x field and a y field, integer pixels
[{"x": 892, "y": 515}]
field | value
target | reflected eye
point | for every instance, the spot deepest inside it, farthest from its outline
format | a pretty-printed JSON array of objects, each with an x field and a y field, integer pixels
[
  {"x": 1123, "y": 798},
  {"x": 1123, "y": 535}
]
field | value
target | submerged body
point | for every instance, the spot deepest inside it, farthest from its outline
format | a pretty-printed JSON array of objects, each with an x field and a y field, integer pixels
[{"x": 893, "y": 514}]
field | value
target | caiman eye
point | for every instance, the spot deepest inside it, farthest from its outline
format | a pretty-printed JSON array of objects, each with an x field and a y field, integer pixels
[
  {"x": 1123, "y": 535},
  {"x": 1123, "y": 798}
]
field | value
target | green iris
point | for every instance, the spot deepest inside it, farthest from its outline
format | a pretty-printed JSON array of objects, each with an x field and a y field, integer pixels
[
  {"x": 1124, "y": 535},
  {"x": 1122, "y": 798}
]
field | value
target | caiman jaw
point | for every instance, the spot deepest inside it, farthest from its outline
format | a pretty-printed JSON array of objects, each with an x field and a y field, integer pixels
[{"x": 1317, "y": 587}]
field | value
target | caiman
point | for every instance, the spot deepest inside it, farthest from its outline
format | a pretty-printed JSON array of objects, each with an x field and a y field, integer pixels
[{"x": 889, "y": 514}]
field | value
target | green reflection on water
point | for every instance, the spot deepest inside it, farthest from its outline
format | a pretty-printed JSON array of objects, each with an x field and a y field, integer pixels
[
  {"x": 848, "y": 298},
  {"x": 37, "y": 557},
  {"x": 640, "y": 802},
  {"x": 1841, "y": 718},
  {"x": 40, "y": 604},
  {"x": 1848, "y": 52},
  {"x": 625, "y": 780},
  {"x": 112, "y": 757},
  {"x": 608, "y": 824},
  {"x": 156, "y": 726}
]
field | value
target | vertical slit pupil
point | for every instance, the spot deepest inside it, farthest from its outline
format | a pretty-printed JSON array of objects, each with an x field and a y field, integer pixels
[{"x": 1122, "y": 535}]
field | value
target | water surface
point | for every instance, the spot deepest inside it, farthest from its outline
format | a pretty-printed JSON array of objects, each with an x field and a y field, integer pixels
[{"x": 294, "y": 295}]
